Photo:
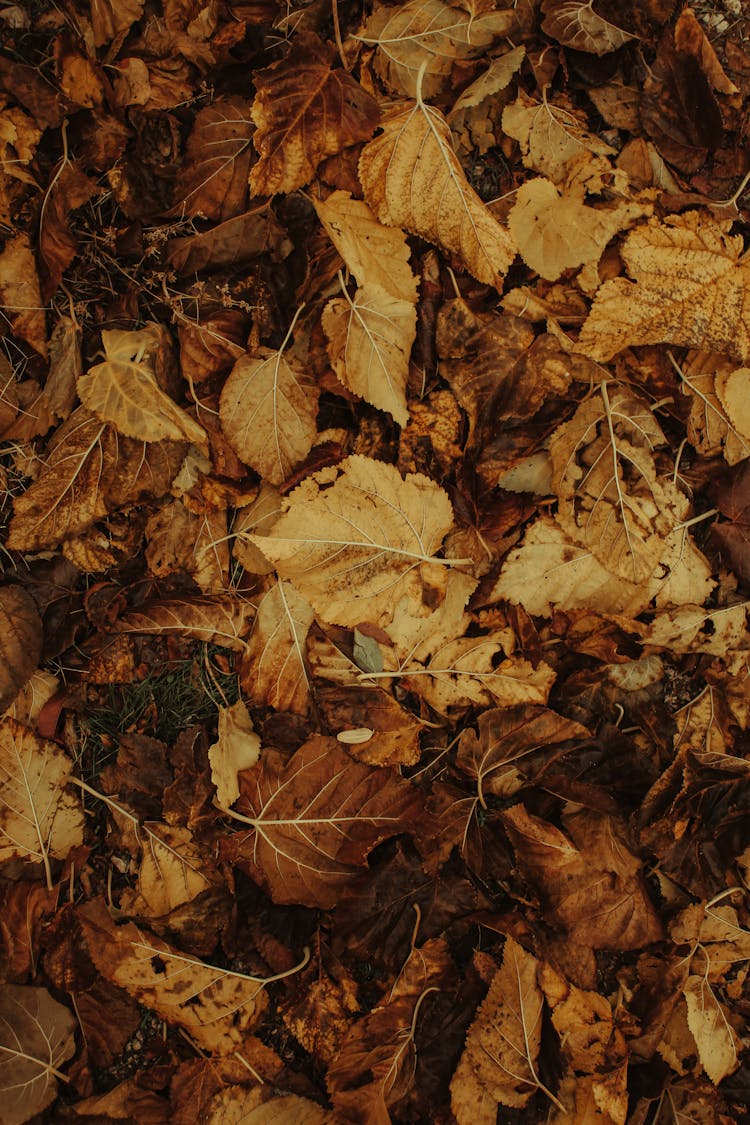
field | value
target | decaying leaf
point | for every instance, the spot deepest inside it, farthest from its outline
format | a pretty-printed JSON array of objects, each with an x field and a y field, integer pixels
[
  {"x": 413, "y": 179},
  {"x": 212, "y": 181},
  {"x": 351, "y": 539},
  {"x": 274, "y": 670},
  {"x": 714, "y": 1035},
  {"x": 236, "y": 748},
  {"x": 554, "y": 139},
  {"x": 574, "y": 23},
  {"x": 476, "y": 114},
  {"x": 690, "y": 288},
  {"x": 36, "y": 1040},
  {"x": 219, "y": 620},
  {"x": 304, "y": 111},
  {"x": 169, "y": 874},
  {"x": 20, "y": 293},
  {"x": 124, "y": 392},
  {"x": 431, "y": 32},
  {"x": 20, "y": 641},
  {"x": 40, "y": 817},
  {"x": 314, "y": 820}
]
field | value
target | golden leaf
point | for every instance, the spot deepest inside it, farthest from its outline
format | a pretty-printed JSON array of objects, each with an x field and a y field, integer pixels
[
  {"x": 236, "y": 748},
  {"x": 370, "y": 338},
  {"x": 715, "y": 1038},
  {"x": 691, "y": 288},
  {"x": 216, "y": 620},
  {"x": 258, "y": 1106},
  {"x": 124, "y": 392},
  {"x": 430, "y": 32},
  {"x": 274, "y": 672},
  {"x": 557, "y": 232},
  {"x": 554, "y": 138},
  {"x": 40, "y": 818},
  {"x": 256, "y": 519},
  {"x": 413, "y": 179},
  {"x": 475, "y": 117},
  {"x": 268, "y": 410},
  {"x": 375, "y": 254},
  {"x": 169, "y": 874},
  {"x": 353, "y": 539}
]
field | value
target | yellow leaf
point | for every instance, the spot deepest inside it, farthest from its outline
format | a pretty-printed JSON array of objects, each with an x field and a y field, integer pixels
[
  {"x": 475, "y": 117},
  {"x": 354, "y": 538},
  {"x": 124, "y": 392},
  {"x": 369, "y": 344},
  {"x": 257, "y": 1106},
  {"x": 709, "y": 427},
  {"x": 554, "y": 139},
  {"x": 236, "y": 748},
  {"x": 375, "y": 254},
  {"x": 691, "y": 288},
  {"x": 268, "y": 409},
  {"x": 714, "y": 1036},
  {"x": 557, "y": 232},
  {"x": 169, "y": 874},
  {"x": 274, "y": 671},
  {"x": 413, "y": 179}
]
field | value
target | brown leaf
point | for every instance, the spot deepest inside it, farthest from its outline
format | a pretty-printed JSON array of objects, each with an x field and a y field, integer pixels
[
  {"x": 20, "y": 293},
  {"x": 216, "y": 620},
  {"x": 679, "y": 110},
  {"x": 314, "y": 820},
  {"x": 112, "y": 20},
  {"x": 68, "y": 189},
  {"x": 690, "y": 37},
  {"x": 236, "y": 748},
  {"x": 476, "y": 115},
  {"x": 591, "y": 883},
  {"x": 89, "y": 472},
  {"x": 20, "y": 641},
  {"x": 274, "y": 670},
  {"x": 212, "y": 182},
  {"x": 413, "y": 179},
  {"x": 304, "y": 111},
  {"x": 733, "y": 500},
  {"x": 574, "y": 23},
  {"x": 36, "y": 1039},
  {"x": 230, "y": 244},
  {"x": 264, "y": 1107},
  {"x": 28, "y": 86}
]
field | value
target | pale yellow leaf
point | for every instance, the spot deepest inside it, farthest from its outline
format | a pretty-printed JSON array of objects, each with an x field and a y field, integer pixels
[
  {"x": 124, "y": 392},
  {"x": 555, "y": 232},
  {"x": 236, "y": 748},
  {"x": 733, "y": 392},
  {"x": 369, "y": 344},
  {"x": 375, "y": 254},
  {"x": 274, "y": 670},
  {"x": 709, "y": 428},
  {"x": 554, "y": 139},
  {"x": 413, "y": 179},
  {"x": 268, "y": 409},
  {"x": 466, "y": 671},
  {"x": 353, "y": 539},
  {"x": 691, "y": 288},
  {"x": 169, "y": 873},
  {"x": 430, "y": 32},
  {"x": 40, "y": 817},
  {"x": 694, "y": 629},
  {"x": 714, "y": 1036}
]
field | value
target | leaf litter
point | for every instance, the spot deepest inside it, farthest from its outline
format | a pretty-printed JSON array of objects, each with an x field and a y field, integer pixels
[{"x": 374, "y": 562}]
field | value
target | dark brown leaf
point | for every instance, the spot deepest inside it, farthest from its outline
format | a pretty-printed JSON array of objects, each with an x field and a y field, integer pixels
[{"x": 20, "y": 641}]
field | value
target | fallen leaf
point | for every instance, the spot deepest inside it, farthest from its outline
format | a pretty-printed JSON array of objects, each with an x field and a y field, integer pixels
[
  {"x": 222, "y": 620},
  {"x": 230, "y": 244},
  {"x": 709, "y": 428},
  {"x": 475, "y": 117},
  {"x": 679, "y": 110},
  {"x": 733, "y": 501},
  {"x": 412, "y": 178},
  {"x": 268, "y": 409},
  {"x": 36, "y": 1039},
  {"x": 20, "y": 641},
  {"x": 110, "y": 21},
  {"x": 40, "y": 817},
  {"x": 169, "y": 874},
  {"x": 124, "y": 392},
  {"x": 354, "y": 538},
  {"x": 690, "y": 37},
  {"x": 20, "y": 293},
  {"x": 236, "y": 748},
  {"x": 69, "y": 188},
  {"x": 370, "y": 338},
  {"x": 258, "y": 1107},
  {"x": 574, "y": 23},
  {"x": 313, "y": 822},
  {"x": 305, "y": 111},
  {"x": 274, "y": 669},
  {"x": 212, "y": 181},
  {"x": 715, "y": 1038},
  {"x": 256, "y": 519},
  {"x": 690, "y": 288},
  {"x": 430, "y": 32},
  {"x": 554, "y": 139}
]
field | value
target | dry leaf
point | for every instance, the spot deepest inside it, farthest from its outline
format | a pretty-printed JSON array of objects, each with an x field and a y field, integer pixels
[
  {"x": 111, "y": 20},
  {"x": 556, "y": 232},
  {"x": 375, "y": 254},
  {"x": 314, "y": 820},
  {"x": 354, "y": 538},
  {"x": 256, "y": 519},
  {"x": 475, "y": 117},
  {"x": 20, "y": 294},
  {"x": 268, "y": 410},
  {"x": 554, "y": 139},
  {"x": 222, "y": 620},
  {"x": 37, "y": 1036},
  {"x": 237, "y": 748},
  {"x": 499, "y": 1061},
  {"x": 124, "y": 392},
  {"x": 212, "y": 181},
  {"x": 690, "y": 288},
  {"x": 20, "y": 641},
  {"x": 274, "y": 671},
  {"x": 258, "y": 1106},
  {"x": 574, "y": 23},
  {"x": 216, "y": 1007},
  {"x": 369, "y": 343},
  {"x": 68, "y": 190},
  {"x": 709, "y": 428},
  {"x": 169, "y": 874},
  {"x": 412, "y": 178},
  {"x": 305, "y": 111},
  {"x": 40, "y": 818},
  {"x": 715, "y": 1038},
  {"x": 430, "y": 32}
]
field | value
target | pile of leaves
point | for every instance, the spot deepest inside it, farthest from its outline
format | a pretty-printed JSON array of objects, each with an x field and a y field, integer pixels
[{"x": 375, "y": 524}]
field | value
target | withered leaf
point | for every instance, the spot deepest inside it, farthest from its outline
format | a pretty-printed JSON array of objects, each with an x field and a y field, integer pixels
[
  {"x": 222, "y": 620},
  {"x": 353, "y": 538},
  {"x": 691, "y": 288},
  {"x": 20, "y": 641},
  {"x": 554, "y": 139},
  {"x": 574, "y": 23},
  {"x": 237, "y": 748},
  {"x": 230, "y": 244},
  {"x": 413, "y": 179},
  {"x": 212, "y": 181},
  {"x": 733, "y": 500},
  {"x": 89, "y": 472},
  {"x": 715, "y": 1038},
  {"x": 259, "y": 1106},
  {"x": 679, "y": 110},
  {"x": 110, "y": 20},
  {"x": 305, "y": 111},
  {"x": 314, "y": 820},
  {"x": 268, "y": 410},
  {"x": 37, "y": 1037},
  {"x": 475, "y": 117},
  {"x": 20, "y": 293},
  {"x": 69, "y": 188},
  {"x": 274, "y": 670}
]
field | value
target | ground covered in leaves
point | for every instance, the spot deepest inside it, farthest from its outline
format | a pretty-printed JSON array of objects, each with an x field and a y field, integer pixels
[{"x": 374, "y": 534}]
